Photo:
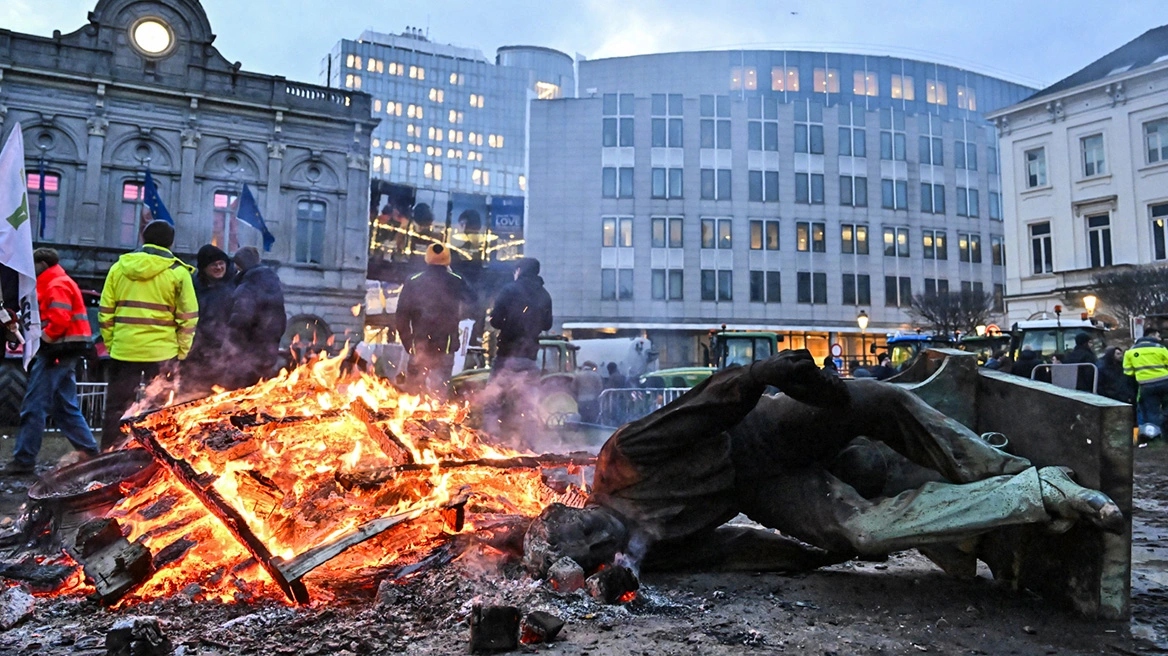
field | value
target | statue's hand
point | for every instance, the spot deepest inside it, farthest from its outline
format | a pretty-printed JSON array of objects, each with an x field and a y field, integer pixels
[{"x": 795, "y": 374}]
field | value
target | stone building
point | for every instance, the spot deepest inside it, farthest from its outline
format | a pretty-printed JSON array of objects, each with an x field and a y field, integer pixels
[{"x": 142, "y": 87}]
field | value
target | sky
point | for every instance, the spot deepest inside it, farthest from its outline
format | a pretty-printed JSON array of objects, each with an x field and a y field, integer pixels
[{"x": 1035, "y": 42}]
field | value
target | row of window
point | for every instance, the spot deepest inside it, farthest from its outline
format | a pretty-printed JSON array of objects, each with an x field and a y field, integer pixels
[
  {"x": 1099, "y": 242},
  {"x": 766, "y": 287},
  {"x": 864, "y": 83},
  {"x": 763, "y": 187},
  {"x": 374, "y": 65},
  {"x": 810, "y": 237},
  {"x": 1093, "y": 157}
]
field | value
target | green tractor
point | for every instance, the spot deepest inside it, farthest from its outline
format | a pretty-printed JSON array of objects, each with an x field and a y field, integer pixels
[
  {"x": 557, "y": 366},
  {"x": 727, "y": 348}
]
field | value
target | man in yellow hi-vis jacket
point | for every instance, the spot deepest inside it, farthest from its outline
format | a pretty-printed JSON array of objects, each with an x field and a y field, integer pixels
[
  {"x": 147, "y": 315},
  {"x": 1147, "y": 360}
]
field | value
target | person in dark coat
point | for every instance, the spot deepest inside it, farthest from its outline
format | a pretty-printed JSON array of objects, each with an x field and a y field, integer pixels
[
  {"x": 523, "y": 310},
  {"x": 1082, "y": 354},
  {"x": 257, "y": 321},
  {"x": 428, "y": 311},
  {"x": 615, "y": 379},
  {"x": 214, "y": 285},
  {"x": 1113, "y": 383},
  {"x": 884, "y": 370},
  {"x": 1027, "y": 360}
]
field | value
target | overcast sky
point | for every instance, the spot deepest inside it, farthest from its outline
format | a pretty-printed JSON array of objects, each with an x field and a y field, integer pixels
[{"x": 1035, "y": 42}]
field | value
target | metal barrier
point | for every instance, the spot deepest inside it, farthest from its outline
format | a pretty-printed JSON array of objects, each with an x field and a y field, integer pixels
[
  {"x": 619, "y": 406},
  {"x": 91, "y": 400},
  {"x": 1067, "y": 375}
]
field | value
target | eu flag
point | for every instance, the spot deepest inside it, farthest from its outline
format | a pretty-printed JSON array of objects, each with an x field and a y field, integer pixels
[
  {"x": 154, "y": 201},
  {"x": 249, "y": 213}
]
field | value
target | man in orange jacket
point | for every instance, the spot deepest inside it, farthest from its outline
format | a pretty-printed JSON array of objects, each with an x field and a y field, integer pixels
[{"x": 52, "y": 386}]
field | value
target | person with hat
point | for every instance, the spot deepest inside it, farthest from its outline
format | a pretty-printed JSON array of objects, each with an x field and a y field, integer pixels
[
  {"x": 148, "y": 313},
  {"x": 214, "y": 280},
  {"x": 1147, "y": 360},
  {"x": 52, "y": 382},
  {"x": 428, "y": 311},
  {"x": 257, "y": 320},
  {"x": 1080, "y": 355}
]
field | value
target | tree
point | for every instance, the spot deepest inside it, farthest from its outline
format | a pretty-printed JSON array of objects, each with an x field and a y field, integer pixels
[
  {"x": 1133, "y": 291},
  {"x": 949, "y": 312}
]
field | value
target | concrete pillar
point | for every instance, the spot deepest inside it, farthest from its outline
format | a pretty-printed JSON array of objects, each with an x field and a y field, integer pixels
[
  {"x": 273, "y": 213},
  {"x": 187, "y": 233},
  {"x": 89, "y": 222}
]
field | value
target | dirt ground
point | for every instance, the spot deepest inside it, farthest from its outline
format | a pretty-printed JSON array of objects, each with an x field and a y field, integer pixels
[{"x": 902, "y": 606}]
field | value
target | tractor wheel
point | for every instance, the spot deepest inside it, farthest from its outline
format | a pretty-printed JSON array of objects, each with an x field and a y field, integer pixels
[{"x": 12, "y": 382}]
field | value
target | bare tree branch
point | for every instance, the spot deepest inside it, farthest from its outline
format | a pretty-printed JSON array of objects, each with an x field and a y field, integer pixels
[
  {"x": 1133, "y": 291},
  {"x": 949, "y": 312}
]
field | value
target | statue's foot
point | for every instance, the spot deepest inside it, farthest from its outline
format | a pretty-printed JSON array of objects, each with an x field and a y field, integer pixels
[{"x": 1065, "y": 499}]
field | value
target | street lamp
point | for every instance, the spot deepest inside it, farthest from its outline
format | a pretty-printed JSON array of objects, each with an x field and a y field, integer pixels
[
  {"x": 1089, "y": 302},
  {"x": 980, "y": 329},
  {"x": 862, "y": 320}
]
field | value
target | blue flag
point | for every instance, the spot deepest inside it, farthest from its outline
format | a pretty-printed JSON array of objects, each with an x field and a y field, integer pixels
[
  {"x": 153, "y": 201},
  {"x": 249, "y": 213},
  {"x": 42, "y": 205}
]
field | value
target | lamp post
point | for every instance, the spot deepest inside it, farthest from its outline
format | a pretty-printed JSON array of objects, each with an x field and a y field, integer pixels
[
  {"x": 862, "y": 322},
  {"x": 1089, "y": 302}
]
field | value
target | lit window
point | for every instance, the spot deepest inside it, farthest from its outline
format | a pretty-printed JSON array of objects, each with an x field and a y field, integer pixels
[
  {"x": 437, "y": 95},
  {"x": 376, "y": 105},
  {"x": 44, "y": 227},
  {"x": 417, "y": 73},
  {"x": 826, "y": 80},
  {"x": 966, "y": 98},
  {"x": 372, "y": 65},
  {"x": 523, "y": 183},
  {"x": 457, "y": 78},
  {"x": 353, "y": 81},
  {"x": 376, "y": 143},
  {"x": 130, "y": 213},
  {"x": 902, "y": 87},
  {"x": 784, "y": 78},
  {"x": 396, "y": 68},
  {"x": 743, "y": 78},
  {"x": 865, "y": 84},
  {"x": 455, "y": 116},
  {"x": 936, "y": 93},
  {"x": 547, "y": 91}
]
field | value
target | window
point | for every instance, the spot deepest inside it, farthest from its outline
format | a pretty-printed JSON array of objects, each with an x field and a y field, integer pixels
[
  {"x": 936, "y": 286},
  {"x": 827, "y": 80},
  {"x": 932, "y": 198},
  {"x": 353, "y": 61},
  {"x": 1156, "y": 140},
  {"x": 743, "y": 78},
  {"x": 715, "y": 122},
  {"x": 438, "y": 95},
  {"x": 763, "y": 126},
  {"x": 784, "y": 78},
  {"x": 892, "y": 139},
  {"x": 998, "y": 250},
  {"x": 666, "y": 122},
  {"x": 616, "y": 183},
  {"x": 396, "y": 69},
  {"x": 965, "y": 155},
  {"x": 854, "y": 239},
  {"x": 853, "y": 191},
  {"x": 765, "y": 287},
  {"x": 966, "y": 98},
  {"x": 968, "y": 287},
  {"x": 666, "y": 232},
  {"x": 932, "y": 151},
  {"x": 896, "y": 242},
  {"x": 625, "y": 182},
  {"x": 857, "y": 289},
  {"x": 1041, "y": 253},
  {"x": 715, "y": 184},
  {"x": 902, "y": 87},
  {"x": 894, "y": 194},
  {"x": 618, "y": 130},
  {"x": 764, "y": 235},
  {"x": 933, "y": 244},
  {"x": 764, "y": 186},
  {"x": 616, "y": 284},
  {"x": 999, "y": 298},
  {"x": 608, "y": 182},
  {"x": 616, "y": 232},
  {"x": 851, "y": 132},
  {"x": 352, "y": 81},
  {"x": 667, "y": 284},
  {"x": 995, "y": 206},
  {"x": 666, "y": 183},
  {"x": 1093, "y": 159},
  {"x": 417, "y": 73},
  {"x": 811, "y": 237},
  {"x": 809, "y": 188},
  {"x": 967, "y": 202},
  {"x": 811, "y": 288},
  {"x": 992, "y": 160},
  {"x": 414, "y": 111},
  {"x": 865, "y": 84},
  {"x": 1159, "y": 215},
  {"x": 969, "y": 247},
  {"x": 224, "y": 230},
  {"x": 44, "y": 227},
  {"x": 897, "y": 291},
  {"x": 129, "y": 213},
  {"x": 809, "y": 128},
  {"x": 1036, "y": 168},
  {"x": 716, "y": 234},
  {"x": 310, "y": 219},
  {"x": 717, "y": 285},
  {"x": 1099, "y": 240},
  {"x": 936, "y": 93},
  {"x": 476, "y": 100}
]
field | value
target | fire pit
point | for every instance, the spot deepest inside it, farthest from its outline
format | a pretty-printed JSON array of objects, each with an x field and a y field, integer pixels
[{"x": 96, "y": 482}]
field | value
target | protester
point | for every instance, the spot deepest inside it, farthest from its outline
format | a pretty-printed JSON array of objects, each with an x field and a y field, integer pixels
[
  {"x": 523, "y": 310},
  {"x": 829, "y": 366},
  {"x": 1147, "y": 361},
  {"x": 883, "y": 370},
  {"x": 208, "y": 362},
  {"x": 615, "y": 379},
  {"x": 858, "y": 370},
  {"x": 589, "y": 385},
  {"x": 257, "y": 320},
  {"x": 1113, "y": 382},
  {"x": 1027, "y": 360},
  {"x": 52, "y": 384},
  {"x": 428, "y": 311},
  {"x": 148, "y": 314},
  {"x": 995, "y": 360}
]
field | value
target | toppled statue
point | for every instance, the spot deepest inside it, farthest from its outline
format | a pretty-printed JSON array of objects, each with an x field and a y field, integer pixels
[{"x": 854, "y": 468}]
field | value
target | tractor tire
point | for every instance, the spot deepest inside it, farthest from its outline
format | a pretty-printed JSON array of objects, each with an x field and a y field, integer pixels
[{"x": 12, "y": 383}]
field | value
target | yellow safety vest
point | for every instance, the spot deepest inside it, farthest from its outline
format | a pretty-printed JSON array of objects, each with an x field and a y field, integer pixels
[
  {"x": 1147, "y": 361},
  {"x": 148, "y": 308}
]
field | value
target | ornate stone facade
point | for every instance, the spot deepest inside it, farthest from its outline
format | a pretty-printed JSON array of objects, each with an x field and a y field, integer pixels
[{"x": 103, "y": 104}]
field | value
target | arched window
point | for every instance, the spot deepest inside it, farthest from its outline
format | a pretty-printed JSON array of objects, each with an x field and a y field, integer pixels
[
  {"x": 310, "y": 220},
  {"x": 224, "y": 229},
  {"x": 48, "y": 196},
  {"x": 130, "y": 213}
]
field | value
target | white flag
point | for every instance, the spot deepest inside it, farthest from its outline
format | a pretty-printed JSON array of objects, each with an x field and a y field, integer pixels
[{"x": 16, "y": 237}]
